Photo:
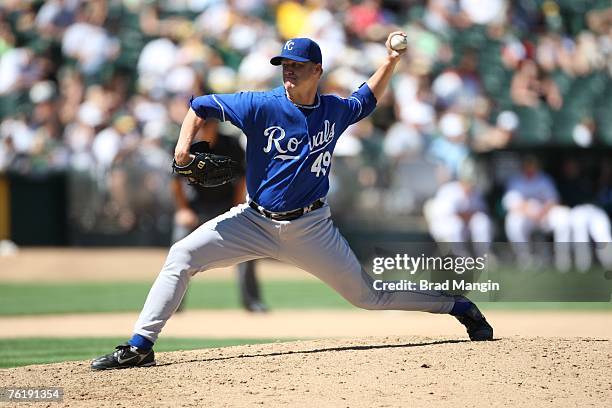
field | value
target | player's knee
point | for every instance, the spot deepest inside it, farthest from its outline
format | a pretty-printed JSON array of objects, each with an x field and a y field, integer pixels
[
  {"x": 516, "y": 228},
  {"x": 480, "y": 221},
  {"x": 559, "y": 217},
  {"x": 366, "y": 300},
  {"x": 178, "y": 261},
  {"x": 362, "y": 304}
]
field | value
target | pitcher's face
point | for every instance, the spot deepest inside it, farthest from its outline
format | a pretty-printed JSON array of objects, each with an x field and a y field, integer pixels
[{"x": 300, "y": 75}]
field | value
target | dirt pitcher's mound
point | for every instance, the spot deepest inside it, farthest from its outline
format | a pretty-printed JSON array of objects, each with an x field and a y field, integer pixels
[{"x": 389, "y": 372}]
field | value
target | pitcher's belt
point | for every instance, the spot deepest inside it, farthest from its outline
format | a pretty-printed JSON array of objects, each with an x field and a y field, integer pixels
[{"x": 287, "y": 215}]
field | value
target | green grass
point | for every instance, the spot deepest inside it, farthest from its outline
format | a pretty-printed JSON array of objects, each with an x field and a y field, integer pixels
[
  {"x": 546, "y": 306},
  {"x": 23, "y": 299},
  {"x": 27, "y": 299},
  {"x": 20, "y": 352}
]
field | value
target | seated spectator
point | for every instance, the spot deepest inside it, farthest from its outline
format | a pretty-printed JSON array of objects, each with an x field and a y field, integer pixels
[
  {"x": 100, "y": 47},
  {"x": 532, "y": 203},
  {"x": 530, "y": 87},
  {"x": 588, "y": 221},
  {"x": 458, "y": 213},
  {"x": 55, "y": 16},
  {"x": 460, "y": 87}
]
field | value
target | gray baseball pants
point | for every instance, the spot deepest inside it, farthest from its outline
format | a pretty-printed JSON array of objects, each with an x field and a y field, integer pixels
[{"x": 311, "y": 242}]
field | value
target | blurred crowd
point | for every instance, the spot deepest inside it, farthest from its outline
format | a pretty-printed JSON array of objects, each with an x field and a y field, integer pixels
[{"x": 100, "y": 87}]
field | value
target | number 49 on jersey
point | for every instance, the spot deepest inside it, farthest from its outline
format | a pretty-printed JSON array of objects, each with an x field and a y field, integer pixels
[{"x": 321, "y": 164}]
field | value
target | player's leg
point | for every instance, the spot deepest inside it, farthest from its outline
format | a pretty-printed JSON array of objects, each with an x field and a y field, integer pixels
[
  {"x": 580, "y": 237},
  {"x": 233, "y": 237},
  {"x": 181, "y": 228},
  {"x": 224, "y": 241},
  {"x": 518, "y": 231},
  {"x": 452, "y": 230},
  {"x": 599, "y": 230},
  {"x": 481, "y": 232},
  {"x": 446, "y": 228},
  {"x": 314, "y": 244},
  {"x": 249, "y": 288},
  {"x": 557, "y": 220}
]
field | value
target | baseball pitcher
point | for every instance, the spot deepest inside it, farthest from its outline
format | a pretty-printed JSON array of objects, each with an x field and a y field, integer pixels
[{"x": 291, "y": 131}]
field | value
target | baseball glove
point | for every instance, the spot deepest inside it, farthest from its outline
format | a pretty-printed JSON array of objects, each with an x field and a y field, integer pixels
[{"x": 207, "y": 169}]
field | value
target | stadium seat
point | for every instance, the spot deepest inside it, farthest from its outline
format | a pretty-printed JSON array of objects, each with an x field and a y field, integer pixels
[
  {"x": 534, "y": 126},
  {"x": 603, "y": 116}
]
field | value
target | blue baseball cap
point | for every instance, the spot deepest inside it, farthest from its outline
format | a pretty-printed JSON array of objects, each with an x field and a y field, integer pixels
[{"x": 301, "y": 50}]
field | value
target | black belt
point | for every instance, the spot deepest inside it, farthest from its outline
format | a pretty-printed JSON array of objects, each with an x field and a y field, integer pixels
[{"x": 288, "y": 215}]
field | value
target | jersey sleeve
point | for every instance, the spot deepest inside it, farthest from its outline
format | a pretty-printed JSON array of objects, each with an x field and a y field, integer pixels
[
  {"x": 361, "y": 103},
  {"x": 236, "y": 108}
]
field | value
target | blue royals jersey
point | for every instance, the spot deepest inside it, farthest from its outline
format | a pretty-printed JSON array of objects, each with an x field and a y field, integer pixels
[{"x": 289, "y": 149}]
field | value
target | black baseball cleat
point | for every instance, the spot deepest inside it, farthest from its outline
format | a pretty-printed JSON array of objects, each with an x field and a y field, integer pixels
[
  {"x": 474, "y": 321},
  {"x": 124, "y": 356},
  {"x": 256, "y": 307}
]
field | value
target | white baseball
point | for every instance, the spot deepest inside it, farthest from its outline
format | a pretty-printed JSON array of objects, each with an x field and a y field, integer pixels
[{"x": 398, "y": 42}]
